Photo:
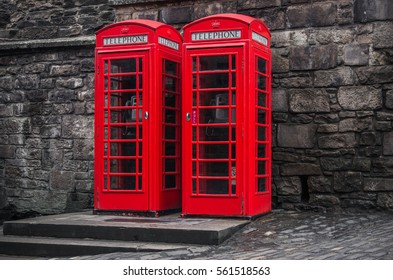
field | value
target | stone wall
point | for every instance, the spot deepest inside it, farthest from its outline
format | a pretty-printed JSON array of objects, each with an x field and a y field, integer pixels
[
  {"x": 47, "y": 104},
  {"x": 332, "y": 94},
  {"x": 332, "y": 98}
]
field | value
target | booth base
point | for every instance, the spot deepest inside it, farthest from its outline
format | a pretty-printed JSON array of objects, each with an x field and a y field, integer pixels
[{"x": 87, "y": 234}]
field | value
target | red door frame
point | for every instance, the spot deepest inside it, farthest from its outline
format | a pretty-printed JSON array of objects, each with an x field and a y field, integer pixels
[
  {"x": 122, "y": 199},
  {"x": 212, "y": 204}
]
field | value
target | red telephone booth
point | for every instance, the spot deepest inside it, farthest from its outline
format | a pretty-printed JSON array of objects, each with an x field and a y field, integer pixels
[
  {"x": 227, "y": 117},
  {"x": 137, "y": 117}
]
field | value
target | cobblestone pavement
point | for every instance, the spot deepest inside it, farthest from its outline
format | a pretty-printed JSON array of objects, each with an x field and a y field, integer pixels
[{"x": 295, "y": 235}]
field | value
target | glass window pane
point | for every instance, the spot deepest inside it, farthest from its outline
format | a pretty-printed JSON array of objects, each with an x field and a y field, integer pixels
[
  {"x": 208, "y": 151},
  {"x": 219, "y": 80},
  {"x": 207, "y": 186},
  {"x": 261, "y": 65},
  {"x": 261, "y": 132},
  {"x": 261, "y": 116},
  {"x": 213, "y": 169},
  {"x": 171, "y": 100},
  {"x": 213, "y": 63},
  {"x": 233, "y": 61},
  {"x": 122, "y": 166},
  {"x": 123, "y": 65},
  {"x": 170, "y": 165},
  {"x": 170, "y": 148},
  {"x": 214, "y": 133},
  {"x": 261, "y": 150},
  {"x": 170, "y": 116},
  {"x": 123, "y": 149},
  {"x": 170, "y": 181},
  {"x": 261, "y": 167},
  {"x": 123, "y": 82},
  {"x": 262, "y": 100},
  {"x": 261, "y": 82},
  {"x": 170, "y": 67},
  {"x": 261, "y": 183},
  {"x": 170, "y": 132},
  {"x": 171, "y": 84},
  {"x": 122, "y": 183},
  {"x": 106, "y": 66}
]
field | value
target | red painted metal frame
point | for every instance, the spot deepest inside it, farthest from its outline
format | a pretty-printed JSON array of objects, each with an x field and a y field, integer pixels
[
  {"x": 248, "y": 200},
  {"x": 151, "y": 195}
]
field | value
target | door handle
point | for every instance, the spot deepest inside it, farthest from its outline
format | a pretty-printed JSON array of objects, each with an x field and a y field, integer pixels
[
  {"x": 188, "y": 116},
  {"x": 146, "y": 115}
]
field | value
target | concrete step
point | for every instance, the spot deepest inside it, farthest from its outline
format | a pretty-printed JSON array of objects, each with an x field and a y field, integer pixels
[
  {"x": 66, "y": 247},
  {"x": 168, "y": 229}
]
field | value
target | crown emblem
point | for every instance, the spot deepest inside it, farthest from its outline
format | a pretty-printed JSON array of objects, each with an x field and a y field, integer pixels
[{"x": 216, "y": 24}]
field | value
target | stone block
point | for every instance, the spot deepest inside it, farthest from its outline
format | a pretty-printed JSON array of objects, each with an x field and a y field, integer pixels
[
  {"x": 319, "y": 184},
  {"x": 280, "y": 100},
  {"x": 274, "y": 18},
  {"x": 356, "y": 54},
  {"x": 280, "y": 39},
  {"x": 378, "y": 184},
  {"x": 77, "y": 126},
  {"x": 296, "y": 136},
  {"x": 348, "y": 181},
  {"x": 296, "y": 82},
  {"x": 389, "y": 99},
  {"x": 6, "y": 110},
  {"x": 302, "y": 118},
  {"x": 36, "y": 95},
  {"x": 15, "y": 125},
  {"x": 298, "y": 169},
  {"x": 360, "y": 98},
  {"x": 7, "y": 151},
  {"x": 312, "y": 57},
  {"x": 173, "y": 15},
  {"x": 288, "y": 185},
  {"x": 344, "y": 76},
  {"x": 280, "y": 64},
  {"x": 324, "y": 200},
  {"x": 64, "y": 70},
  {"x": 337, "y": 141},
  {"x": 317, "y": 14},
  {"x": 383, "y": 126},
  {"x": 372, "y": 10},
  {"x": 375, "y": 74},
  {"x": 385, "y": 200},
  {"x": 335, "y": 164},
  {"x": 30, "y": 81},
  {"x": 62, "y": 181},
  {"x": 353, "y": 124},
  {"x": 50, "y": 131},
  {"x": 361, "y": 164},
  {"x": 308, "y": 101},
  {"x": 71, "y": 83},
  {"x": 370, "y": 138},
  {"x": 83, "y": 149},
  {"x": 257, "y": 4},
  {"x": 385, "y": 116},
  {"x": 388, "y": 143},
  {"x": 327, "y": 128},
  {"x": 52, "y": 159},
  {"x": 383, "y": 34}
]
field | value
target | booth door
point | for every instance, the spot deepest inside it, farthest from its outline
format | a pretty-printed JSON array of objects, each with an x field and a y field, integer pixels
[
  {"x": 212, "y": 158},
  {"x": 122, "y": 144}
]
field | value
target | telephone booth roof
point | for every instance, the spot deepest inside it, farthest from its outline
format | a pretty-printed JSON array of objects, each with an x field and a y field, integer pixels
[
  {"x": 226, "y": 21},
  {"x": 138, "y": 26}
]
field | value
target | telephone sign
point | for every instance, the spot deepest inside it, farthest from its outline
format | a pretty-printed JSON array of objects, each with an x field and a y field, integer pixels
[
  {"x": 226, "y": 117},
  {"x": 137, "y": 117}
]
